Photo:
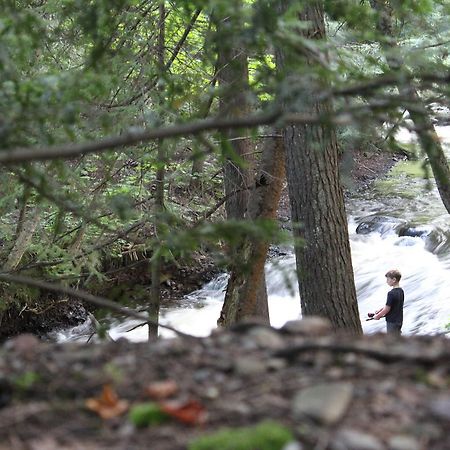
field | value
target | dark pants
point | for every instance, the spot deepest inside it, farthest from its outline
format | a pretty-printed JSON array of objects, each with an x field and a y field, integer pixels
[{"x": 394, "y": 328}]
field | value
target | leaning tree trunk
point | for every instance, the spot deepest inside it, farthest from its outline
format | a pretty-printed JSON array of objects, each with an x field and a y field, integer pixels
[
  {"x": 424, "y": 127},
  {"x": 324, "y": 264},
  {"x": 244, "y": 287},
  {"x": 234, "y": 102}
]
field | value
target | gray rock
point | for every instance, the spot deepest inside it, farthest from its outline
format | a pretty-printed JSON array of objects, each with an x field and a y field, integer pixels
[
  {"x": 293, "y": 446},
  {"x": 440, "y": 407},
  {"x": 351, "y": 439},
  {"x": 309, "y": 326},
  {"x": 248, "y": 366},
  {"x": 325, "y": 403},
  {"x": 266, "y": 338},
  {"x": 403, "y": 442}
]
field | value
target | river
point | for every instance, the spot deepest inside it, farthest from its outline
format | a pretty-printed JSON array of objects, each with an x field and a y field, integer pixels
[{"x": 381, "y": 216}]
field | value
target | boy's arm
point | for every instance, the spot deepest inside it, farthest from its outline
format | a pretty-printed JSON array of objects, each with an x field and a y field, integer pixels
[{"x": 382, "y": 312}]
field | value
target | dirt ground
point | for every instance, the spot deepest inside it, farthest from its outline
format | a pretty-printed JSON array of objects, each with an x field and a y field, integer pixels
[{"x": 330, "y": 392}]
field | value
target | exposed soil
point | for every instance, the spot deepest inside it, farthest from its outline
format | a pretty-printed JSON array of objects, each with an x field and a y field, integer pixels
[{"x": 331, "y": 392}]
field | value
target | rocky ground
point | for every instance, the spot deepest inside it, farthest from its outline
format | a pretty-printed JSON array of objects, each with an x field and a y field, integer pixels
[{"x": 325, "y": 391}]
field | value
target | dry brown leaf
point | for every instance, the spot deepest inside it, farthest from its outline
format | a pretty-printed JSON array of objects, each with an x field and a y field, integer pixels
[
  {"x": 161, "y": 389},
  {"x": 190, "y": 412},
  {"x": 107, "y": 405}
]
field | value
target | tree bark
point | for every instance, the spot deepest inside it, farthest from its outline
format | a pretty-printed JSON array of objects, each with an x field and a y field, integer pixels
[
  {"x": 426, "y": 133},
  {"x": 23, "y": 239},
  {"x": 234, "y": 102},
  {"x": 324, "y": 264},
  {"x": 243, "y": 295}
]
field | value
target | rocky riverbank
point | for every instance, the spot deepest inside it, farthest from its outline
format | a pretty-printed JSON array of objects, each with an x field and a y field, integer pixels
[{"x": 318, "y": 390}]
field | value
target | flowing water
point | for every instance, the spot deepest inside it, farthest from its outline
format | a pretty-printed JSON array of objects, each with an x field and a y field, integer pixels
[{"x": 404, "y": 226}]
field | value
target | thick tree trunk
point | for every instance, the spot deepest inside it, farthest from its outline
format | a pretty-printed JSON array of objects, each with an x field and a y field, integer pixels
[
  {"x": 242, "y": 298},
  {"x": 424, "y": 127},
  {"x": 324, "y": 264},
  {"x": 234, "y": 102}
]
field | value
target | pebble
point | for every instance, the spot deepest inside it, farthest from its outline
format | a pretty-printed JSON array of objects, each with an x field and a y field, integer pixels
[
  {"x": 309, "y": 326},
  {"x": 266, "y": 338},
  {"x": 248, "y": 366},
  {"x": 403, "y": 442},
  {"x": 440, "y": 407},
  {"x": 295, "y": 445},
  {"x": 325, "y": 403},
  {"x": 352, "y": 439}
]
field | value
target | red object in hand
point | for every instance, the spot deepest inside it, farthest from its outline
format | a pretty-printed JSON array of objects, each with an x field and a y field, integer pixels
[{"x": 370, "y": 314}]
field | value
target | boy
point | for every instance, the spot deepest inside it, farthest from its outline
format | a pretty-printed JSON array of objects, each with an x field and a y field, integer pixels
[{"x": 393, "y": 310}]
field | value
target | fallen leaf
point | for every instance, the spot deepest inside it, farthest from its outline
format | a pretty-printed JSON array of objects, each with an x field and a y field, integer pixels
[
  {"x": 161, "y": 389},
  {"x": 190, "y": 412},
  {"x": 107, "y": 405}
]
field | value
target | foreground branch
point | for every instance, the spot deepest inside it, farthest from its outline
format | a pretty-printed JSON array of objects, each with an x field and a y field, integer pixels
[{"x": 130, "y": 138}]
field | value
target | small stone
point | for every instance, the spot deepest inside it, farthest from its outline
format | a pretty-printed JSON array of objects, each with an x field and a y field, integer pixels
[
  {"x": 403, "y": 442},
  {"x": 276, "y": 364},
  {"x": 266, "y": 338},
  {"x": 440, "y": 407},
  {"x": 351, "y": 439},
  {"x": 248, "y": 366},
  {"x": 325, "y": 403},
  {"x": 212, "y": 392},
  {"x": 294, "y": 445},
  {"x": 309, "y": 326}
]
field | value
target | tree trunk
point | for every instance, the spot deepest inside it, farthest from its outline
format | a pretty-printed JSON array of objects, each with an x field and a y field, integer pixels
[
  {"x": 23, "y": 239},
  {"x": 324, "y": 264},
  {"x": 242, "y": 298},
  {"x": 156, "y": 261},
  {"x": 234, "y": 102},
  {"x": 424, "y": 127}
]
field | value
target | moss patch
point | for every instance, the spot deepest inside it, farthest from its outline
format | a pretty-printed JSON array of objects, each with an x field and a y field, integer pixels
[
  {"x": 265, "y": 436},
  {"x": 414, "y": 169}
]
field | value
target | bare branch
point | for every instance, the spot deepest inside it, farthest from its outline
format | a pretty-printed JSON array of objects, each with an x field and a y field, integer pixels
[{"x": 132, "y": 138}]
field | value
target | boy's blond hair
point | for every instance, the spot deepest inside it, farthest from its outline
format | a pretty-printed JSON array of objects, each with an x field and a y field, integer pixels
[{"x": 395, "y": 274}]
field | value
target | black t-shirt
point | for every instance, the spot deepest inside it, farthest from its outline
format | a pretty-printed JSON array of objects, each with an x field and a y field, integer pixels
[{"x": 395, "y": 300}]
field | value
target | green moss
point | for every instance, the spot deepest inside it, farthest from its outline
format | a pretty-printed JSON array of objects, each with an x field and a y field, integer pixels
[
  {"x": 400, "y": 181},
  {"x": 146, "y": 414},
  {"x": 265, "y": 436},
  {"x": 413, "y": 169},
  {"x": 26, "y": 380}
]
